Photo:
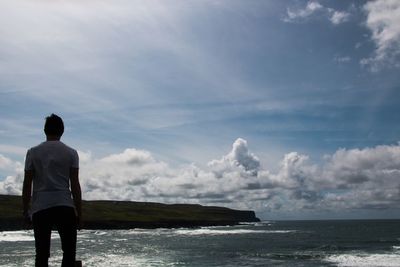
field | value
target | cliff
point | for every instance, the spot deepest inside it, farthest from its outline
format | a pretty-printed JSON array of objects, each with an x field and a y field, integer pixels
[{"x": 126, "y": 214}]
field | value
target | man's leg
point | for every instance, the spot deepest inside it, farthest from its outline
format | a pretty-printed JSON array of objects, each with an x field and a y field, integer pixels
[
  {"x": 42, "y": 232},
  {"x": 66, "y": 226}
]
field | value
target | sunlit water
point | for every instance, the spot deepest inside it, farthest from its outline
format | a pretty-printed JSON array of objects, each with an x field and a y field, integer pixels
[{"x": 318, "y": 243}]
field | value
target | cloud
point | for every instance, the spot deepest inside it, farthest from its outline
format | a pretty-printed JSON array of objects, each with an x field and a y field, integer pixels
[
  {"x": 84, "y": 157},
  {"x": 369, "y": 167},
  {"x": 302, "y": 13},
  {"x": 348, "y": 179},
  {"x": 131, "y": 156},
  {"x": 338, "y": 17},
  {"x": 292, "y": 173},
  {"x": 383, "y": 20},
  {"x": 10, "y": 149},
  {"x": 102, "y": 52},
  {"x": 118, "y": 176},
  {"x": 238, "y": 157},
  {"x": 344, "y": 59},
  {"x": 9, "y": 164},
  {"x": 11, "y": 184},
  {"x": 5, "y": 162},
  {"x": 311, "y": 9}
]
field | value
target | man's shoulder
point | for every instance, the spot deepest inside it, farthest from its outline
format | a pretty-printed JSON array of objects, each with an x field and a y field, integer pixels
[
  {"x": 53, "y": 145},
  {"x": 68, "y": 147},
  {"x": 36, "y": 147}
]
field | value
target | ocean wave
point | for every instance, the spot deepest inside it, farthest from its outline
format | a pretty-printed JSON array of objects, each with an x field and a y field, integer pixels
[
  {"x": 262, "y": 223},
  {"x": 21, "y": 236},
  {"x": 364, "y": 260},
  {"x": 16, "y": 236},
  {"x": 208, "y": 231},
  {"x": 110, "y": 259},
  {"x": 183, "y": 231}
]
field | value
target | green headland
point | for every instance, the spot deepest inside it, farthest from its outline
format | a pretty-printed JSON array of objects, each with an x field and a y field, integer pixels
[{"x": 127, "y": 214}]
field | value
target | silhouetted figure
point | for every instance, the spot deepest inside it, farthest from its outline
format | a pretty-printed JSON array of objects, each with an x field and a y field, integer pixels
[{"x": 53, "y": 169}]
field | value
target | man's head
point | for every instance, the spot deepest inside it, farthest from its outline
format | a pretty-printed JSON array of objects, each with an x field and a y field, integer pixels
[{"x": 54, "y": 126}]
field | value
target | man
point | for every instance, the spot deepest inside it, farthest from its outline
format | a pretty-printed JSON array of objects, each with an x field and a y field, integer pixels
[{"x": 52, "y": 167}]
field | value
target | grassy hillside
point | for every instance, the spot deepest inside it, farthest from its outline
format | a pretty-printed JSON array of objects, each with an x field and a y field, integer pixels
[{"x": 124, "y": 214}]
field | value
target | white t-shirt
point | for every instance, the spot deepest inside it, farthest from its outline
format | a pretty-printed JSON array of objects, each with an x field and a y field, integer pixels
[{"x": 51, "y": 162}]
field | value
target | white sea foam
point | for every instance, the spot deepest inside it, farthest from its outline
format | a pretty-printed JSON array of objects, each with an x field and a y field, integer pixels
[
  {"x": 262, "y": 223},
  {"x": 106, "y": 260},
  {"x": 100, "y": 233},
  {"x": 207, "y": 231},
  {"x": 15, "y": 236},
  {"x": 113, "y": 260},
  {"x": 159, "y": 231},
  {"x": 365, "y": 260},
  {"x": 21, "y": 236}
]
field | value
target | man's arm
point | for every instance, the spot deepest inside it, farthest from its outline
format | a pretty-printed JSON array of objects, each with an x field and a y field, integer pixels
[
  {"x": 27, "y": 191},
  {"x": 76, "y": 191}
]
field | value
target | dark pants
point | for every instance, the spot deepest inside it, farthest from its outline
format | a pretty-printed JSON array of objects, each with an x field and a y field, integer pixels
[{"x": 64, "y": 220}]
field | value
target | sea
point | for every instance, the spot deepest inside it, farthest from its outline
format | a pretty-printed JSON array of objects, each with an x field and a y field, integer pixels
[{"x": 268, "y": 243}]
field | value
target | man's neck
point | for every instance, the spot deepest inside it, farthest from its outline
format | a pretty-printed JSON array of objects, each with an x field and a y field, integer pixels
[{"x": 52, "y": 138}]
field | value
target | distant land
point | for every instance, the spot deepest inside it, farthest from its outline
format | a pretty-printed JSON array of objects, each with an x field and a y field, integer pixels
[{"x": 127, "y": 215}]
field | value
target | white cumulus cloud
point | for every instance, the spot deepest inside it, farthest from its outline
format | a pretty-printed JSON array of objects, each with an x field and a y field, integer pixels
[
  {"x": 5, "y": 162},
  {"x": 383, "y": 20},
  {"x": 367, "y": 178},
  {"x": 239, "y": 157}
]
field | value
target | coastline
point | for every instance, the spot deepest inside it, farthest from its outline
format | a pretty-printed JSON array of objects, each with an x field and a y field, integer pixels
[{"x": 128, "y": 215}]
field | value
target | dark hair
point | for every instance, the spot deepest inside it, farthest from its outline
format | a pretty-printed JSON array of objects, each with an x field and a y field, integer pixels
[{"x": 54, "y": 125}]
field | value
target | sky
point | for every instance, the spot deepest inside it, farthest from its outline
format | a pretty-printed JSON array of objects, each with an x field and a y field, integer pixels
[{"x": 289, "y": 108}]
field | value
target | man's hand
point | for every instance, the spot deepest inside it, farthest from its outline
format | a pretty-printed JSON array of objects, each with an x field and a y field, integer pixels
[
  {"x": 27, "y": 221},
  {"x": 76, "y": 195},
  {"x": 79, "y": 222},
  {"x": 26, "y": 197}
]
